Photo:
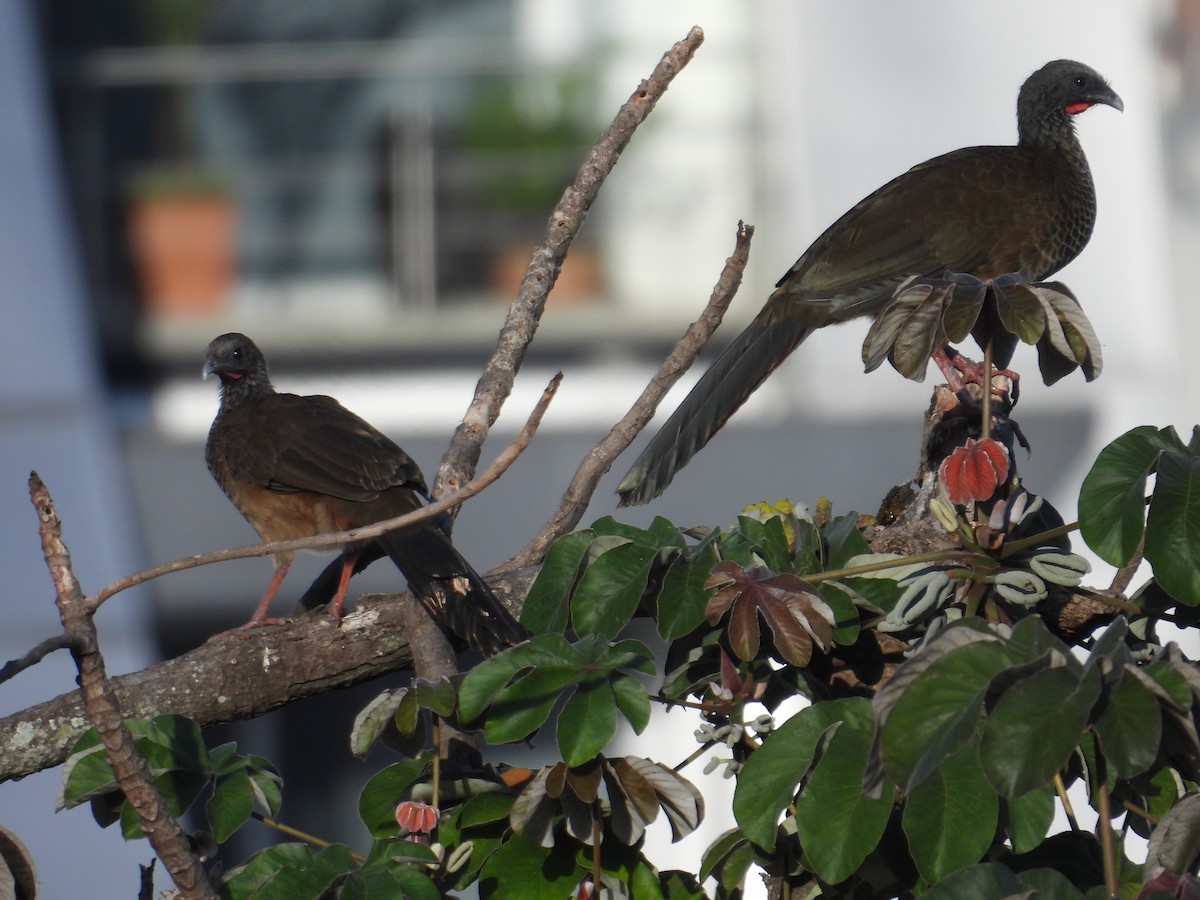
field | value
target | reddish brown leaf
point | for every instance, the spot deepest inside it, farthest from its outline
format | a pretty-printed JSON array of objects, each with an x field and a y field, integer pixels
[
  {"x": 791, "y": 640},
  {"x": 728, "y": 577},
  {"x": 974, "y": 470},
  {"x": 585, "y": 781},
  {"x": 743, "y": 628},
  {"x": 790, "y": 606}
]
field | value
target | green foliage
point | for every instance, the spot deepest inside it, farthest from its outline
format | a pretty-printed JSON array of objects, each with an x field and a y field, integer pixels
[
  {"x": 1112, "y": 506},
  {"x": 183, "y": 769},
  {"x": 934, "y": 715}
]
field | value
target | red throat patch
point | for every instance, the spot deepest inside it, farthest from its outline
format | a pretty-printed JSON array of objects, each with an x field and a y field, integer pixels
[{"x": 1075, "y": 109}]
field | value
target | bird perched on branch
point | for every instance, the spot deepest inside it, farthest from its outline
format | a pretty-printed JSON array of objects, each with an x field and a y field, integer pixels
[
  {"x": 301, "y": 466},
  {"x": 982, "y": 211}
]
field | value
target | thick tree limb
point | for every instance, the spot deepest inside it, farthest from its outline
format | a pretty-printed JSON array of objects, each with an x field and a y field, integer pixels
[
  {"x": 495, "y": 384},
  {"x": 679, "y": 360},
  {"x": 164, "y": 832},
  {"x": 237, "y": 675}
]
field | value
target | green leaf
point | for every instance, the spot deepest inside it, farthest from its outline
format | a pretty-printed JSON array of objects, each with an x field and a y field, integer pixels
[
  {"x": 838, "y": 825},
  {"x": 1050, "y": 884},
  {"x": 485, "y": 682},
  {"x": 378, "y": 883},
  {"x": 844, "y": 541},
  {"x": 266, "y": 785},
  {"x": 1035, "y": 726},
  {"x": 844, "y": 601},
  {"x": 520, "y": 868},
  {"x": 377, "y": 802},
  {"x": 938, "y": 713},
  {"x": 1175, "y": 842},
  {"x": 632, "y": 700},
  {"x": 1021, "y": 311},
  {"x": 767, "y": 782},
  {"x": 681, "y": 602},
  {"x": 230, "y": 805},
  {"x": 1173, "y": 528},
  {"x": 86, "y": 773},
  {"x": 524, "y": 706},
  {"x": 295, "y": 871},
  {"x": 587, "y": 722},
  {"x": 437, "y": 696},
  {"x": 989, "y": 881},
  {"x": 727, "y": 859},
  {"x": 1130, "y": 727},
  {"x": 950, "y": 818},
  {"x": 483, "y": 809},
  {"x": 179, "y": 789},
  {"x": 1113, "y": 497},
  {"x": 383, "y": 715},
  {"x": 608, "y": 593},
  {"x": 548, "y": 604},
  {"x": 1029, "y": 818},
  {"x": 769, "y": 541}
]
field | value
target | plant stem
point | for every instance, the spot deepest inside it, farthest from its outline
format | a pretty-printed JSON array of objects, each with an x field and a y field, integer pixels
[
  {"x": 299, "y": 835},
  {"x": 596, "y": 847},
  {"x": 1068, "y": 809},
  {"x": 931, "y": 556},
  {"x": 437, "y": 758},
  {"x": 985, "y": 427},
  {"x": 1105, "y": 826}
]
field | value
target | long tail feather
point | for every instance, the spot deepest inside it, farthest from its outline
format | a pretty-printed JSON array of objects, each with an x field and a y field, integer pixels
[
  {"x": 452, "y": 590},
  {"x": 735, "y": 375}
]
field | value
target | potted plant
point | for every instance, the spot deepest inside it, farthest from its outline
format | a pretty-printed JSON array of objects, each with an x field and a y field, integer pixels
[{"x": 181, "y": 228}]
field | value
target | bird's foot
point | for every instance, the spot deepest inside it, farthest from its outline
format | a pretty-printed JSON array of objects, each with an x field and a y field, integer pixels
[
  {"x": 960, "y": 371},
  {"x": 256, "y": 621}
]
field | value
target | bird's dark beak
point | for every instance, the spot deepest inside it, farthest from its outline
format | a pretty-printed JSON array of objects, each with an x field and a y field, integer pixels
[
  {"x": 207, "y": 370},
  {"x": 1109, "y": 97}
]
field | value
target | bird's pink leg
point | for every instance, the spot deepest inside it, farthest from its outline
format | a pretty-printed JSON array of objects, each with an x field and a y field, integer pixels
[
  {"x": 260, "y": 614},
  {"x": 339, "y": 598}
]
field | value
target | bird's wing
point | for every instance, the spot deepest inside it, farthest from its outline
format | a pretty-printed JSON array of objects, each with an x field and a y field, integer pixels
[
  {"x": 922, "y": 223},
  {"x": 294, "y": 443}
]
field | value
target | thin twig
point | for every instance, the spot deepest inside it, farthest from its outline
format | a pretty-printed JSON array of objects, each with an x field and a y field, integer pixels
[
  {"x": 164, "y": 832},
  {"x": 324, "y": 541},
  {"x": 299, "y": 835},
  {"x": 38, "y": 653},
  {"x": 600, "y": 459},
  {"x": 496, "y": 382}
]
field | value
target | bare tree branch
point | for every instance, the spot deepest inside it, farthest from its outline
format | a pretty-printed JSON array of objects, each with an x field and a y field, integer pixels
[
  {"x": 38, "y": 653},
  {"x": 600, "y": 459},
  {"x": 495, "y": 384},
  {"x": 165, "y": 834}
]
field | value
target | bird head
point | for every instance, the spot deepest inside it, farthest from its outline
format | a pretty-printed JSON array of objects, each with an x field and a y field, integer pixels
[
  {"x": 234, "y": 358},
  {"x": 1056, "y": 92}
]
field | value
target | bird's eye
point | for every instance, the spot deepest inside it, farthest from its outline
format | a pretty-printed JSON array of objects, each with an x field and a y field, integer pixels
[{"x": 1080, "y": 81}]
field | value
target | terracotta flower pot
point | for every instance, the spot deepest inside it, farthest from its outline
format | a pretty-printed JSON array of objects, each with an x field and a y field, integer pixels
[{"x": 183, "y": 247}]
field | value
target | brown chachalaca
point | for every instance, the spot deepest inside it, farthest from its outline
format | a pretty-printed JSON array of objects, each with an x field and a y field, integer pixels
[
  {"x": 300, "y": 466},
  {"x": 982, "y": 211}
]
